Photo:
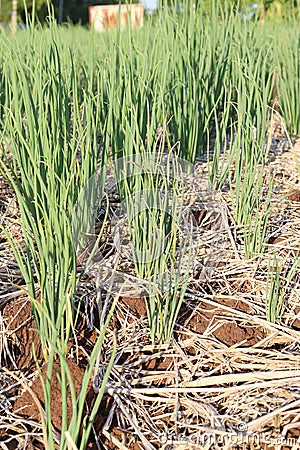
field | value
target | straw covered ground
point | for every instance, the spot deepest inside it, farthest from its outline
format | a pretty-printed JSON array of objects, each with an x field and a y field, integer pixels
[{"x": 229, "y": 379}]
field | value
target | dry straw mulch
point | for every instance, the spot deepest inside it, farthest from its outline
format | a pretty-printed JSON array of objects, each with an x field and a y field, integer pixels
[{"x": 229, "y": 379}]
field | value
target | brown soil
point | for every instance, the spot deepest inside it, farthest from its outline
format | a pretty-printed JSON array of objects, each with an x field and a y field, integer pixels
[
  {"x": 25, "y": 405},
  {"x": 23, "y": 338},
  {"x": 22, "y": 335},
  {"x": 229, "y": 331},
  {"x": 136, "y": 306},
  {"x": 296, "y": 322},
  {"x": 22, "y": 342},
  {"x": 294, "y": 195}
]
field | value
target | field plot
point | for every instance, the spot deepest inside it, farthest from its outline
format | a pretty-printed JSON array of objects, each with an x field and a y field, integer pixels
[{"x": 150, "y": 236}]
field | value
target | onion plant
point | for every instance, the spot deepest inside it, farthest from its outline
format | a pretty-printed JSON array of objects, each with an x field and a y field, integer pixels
[
  {"x": 144, "y": 181},
  {"x": 197, "y": 75},
  {"x": 288, "y": 85},
  {"x": 219, "y": 154},
  {"x": 54, "y": 153},
  {"x": 152, "y": 193},
  {"x": 250, "y": 149},
  {"x": 244, "y": 109},
  {"x": 53, "y": 141},
  {"x": 279, "y": 281}
]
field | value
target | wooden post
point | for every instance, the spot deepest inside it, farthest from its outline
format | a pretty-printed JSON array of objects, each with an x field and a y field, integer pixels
[
  {"x": 60, "y": 11},
  {"x": 14, "y": 10},
  {"x": 262, "y": 13}
]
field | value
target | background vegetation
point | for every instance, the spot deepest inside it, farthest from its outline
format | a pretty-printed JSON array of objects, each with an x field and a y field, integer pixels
[{"x": 76, "y": 11}]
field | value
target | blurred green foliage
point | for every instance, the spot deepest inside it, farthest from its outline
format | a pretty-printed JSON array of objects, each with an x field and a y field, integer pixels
[
  {"x": 73, "y": 10},
  {"x": 6, "y": 7},
  {"x": 76, "y": 11}
]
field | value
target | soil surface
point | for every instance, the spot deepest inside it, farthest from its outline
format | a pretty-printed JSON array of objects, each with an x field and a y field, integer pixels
[{"x": 23, "y": 339}]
